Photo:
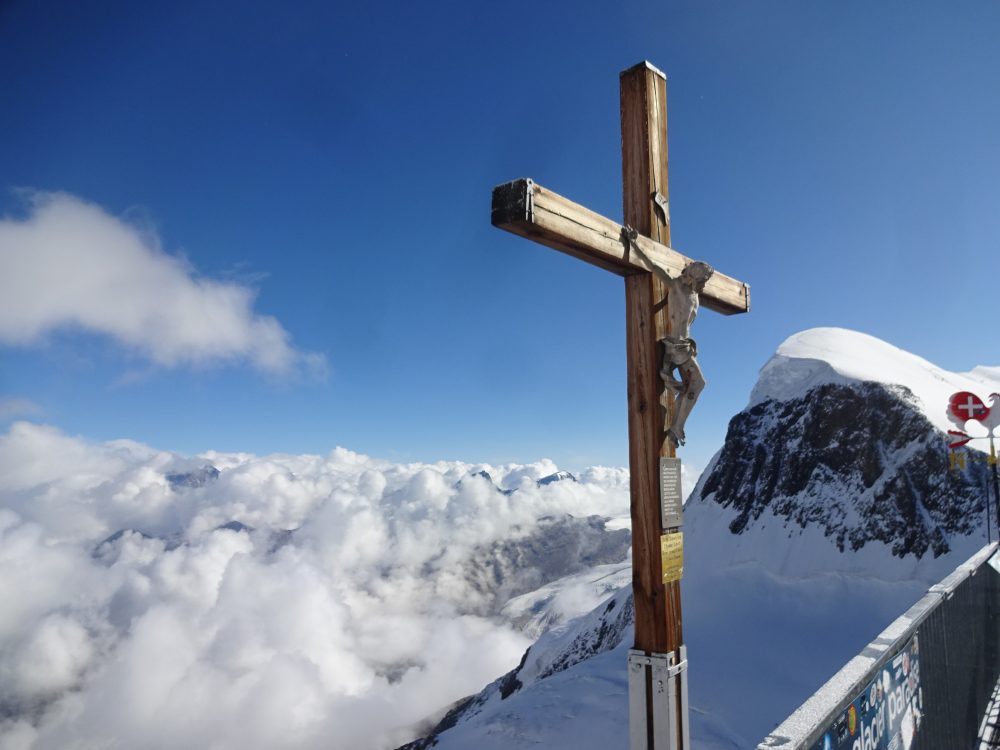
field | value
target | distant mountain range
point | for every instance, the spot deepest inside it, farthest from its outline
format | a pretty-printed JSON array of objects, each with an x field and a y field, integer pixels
[{"x": 551, "y": 549}]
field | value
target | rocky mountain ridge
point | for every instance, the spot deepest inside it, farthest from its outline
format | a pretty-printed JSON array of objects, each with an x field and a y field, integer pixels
[{"x": 860, "y": 461}]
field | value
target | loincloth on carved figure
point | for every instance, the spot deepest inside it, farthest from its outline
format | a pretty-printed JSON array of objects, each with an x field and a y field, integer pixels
[{"x": 677, "y": 351}]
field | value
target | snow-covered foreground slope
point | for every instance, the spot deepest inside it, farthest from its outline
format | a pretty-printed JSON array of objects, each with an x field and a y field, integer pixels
[
  {"x": 828, "y": 511},
  {"x": 569, "y": 691},
  {"x": 235, "y": 601}
]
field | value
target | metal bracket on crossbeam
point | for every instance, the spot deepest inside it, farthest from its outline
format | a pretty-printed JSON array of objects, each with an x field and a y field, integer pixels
[{"x": 662, "y": 673}]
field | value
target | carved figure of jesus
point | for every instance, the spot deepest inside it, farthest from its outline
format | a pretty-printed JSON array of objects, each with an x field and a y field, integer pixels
[{"x": 680, "y": 352}]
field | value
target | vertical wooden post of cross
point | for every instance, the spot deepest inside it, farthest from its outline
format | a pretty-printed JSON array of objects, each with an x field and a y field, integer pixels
[
  {"x": 646, "y": 209},
  {"x": 640, "y": 252}
]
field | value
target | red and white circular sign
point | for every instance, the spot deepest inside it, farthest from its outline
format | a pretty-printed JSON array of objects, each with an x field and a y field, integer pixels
[{"x": 966, "y": 406}]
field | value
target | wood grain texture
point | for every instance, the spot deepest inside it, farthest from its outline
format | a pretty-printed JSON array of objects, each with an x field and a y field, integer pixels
[
  {"x": 645, "y": 428},
  {"x": 644, "y": 173},
  {"x": 650, "y": 407},
  {"x": 529, "y": 210}
]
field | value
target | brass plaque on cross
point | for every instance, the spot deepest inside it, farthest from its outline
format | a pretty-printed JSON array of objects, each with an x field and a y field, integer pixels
[
  {"x": 671, "y": 503},
  {"x": 672, "y": 556}
]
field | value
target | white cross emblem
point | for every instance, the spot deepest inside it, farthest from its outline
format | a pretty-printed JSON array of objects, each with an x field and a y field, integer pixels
[{"x": 971, "y": 408}]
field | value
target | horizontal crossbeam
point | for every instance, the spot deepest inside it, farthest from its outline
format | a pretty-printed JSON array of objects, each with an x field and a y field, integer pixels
[{"x": 529, "y": 210}]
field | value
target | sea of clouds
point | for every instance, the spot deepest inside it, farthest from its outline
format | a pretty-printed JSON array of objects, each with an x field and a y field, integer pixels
[{"x": 291, "y": 601}]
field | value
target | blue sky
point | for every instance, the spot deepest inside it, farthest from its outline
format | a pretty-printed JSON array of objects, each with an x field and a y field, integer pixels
[{"x": 337, "y": 159}]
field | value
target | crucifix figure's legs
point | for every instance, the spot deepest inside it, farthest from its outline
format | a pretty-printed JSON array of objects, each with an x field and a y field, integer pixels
[{"x": 686, "y": 391}]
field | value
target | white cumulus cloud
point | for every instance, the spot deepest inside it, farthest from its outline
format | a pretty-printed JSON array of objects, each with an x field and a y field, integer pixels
[{"x": 70, "y": 264}]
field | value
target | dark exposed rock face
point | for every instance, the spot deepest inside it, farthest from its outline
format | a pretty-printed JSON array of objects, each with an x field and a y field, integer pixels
[
  {"x": 861, "y": 461},
  {"x": 192, "y": 479}
]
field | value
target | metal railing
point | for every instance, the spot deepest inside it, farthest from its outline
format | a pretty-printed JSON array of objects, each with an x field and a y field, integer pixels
[{"x": 925, "y": 683}]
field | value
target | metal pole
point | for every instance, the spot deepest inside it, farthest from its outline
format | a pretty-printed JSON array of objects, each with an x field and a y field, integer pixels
[
  {"x": 989, "y": 523},
  {"x": 996, "y": 486}
]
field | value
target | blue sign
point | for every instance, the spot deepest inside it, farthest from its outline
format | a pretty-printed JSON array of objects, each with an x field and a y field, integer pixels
[{"x": 886, "y": 715}]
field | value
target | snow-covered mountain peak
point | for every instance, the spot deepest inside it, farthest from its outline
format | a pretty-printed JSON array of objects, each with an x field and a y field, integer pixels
[
  {"x": 844, "y": 434},
  {"x": 840, "y": 356}
]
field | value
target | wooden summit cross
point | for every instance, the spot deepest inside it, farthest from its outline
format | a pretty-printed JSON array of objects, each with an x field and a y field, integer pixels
[{"x": 657, "y": 676}]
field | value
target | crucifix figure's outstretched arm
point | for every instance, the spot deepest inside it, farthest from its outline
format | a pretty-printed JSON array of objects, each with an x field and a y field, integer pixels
[{"x": 680, "y": 352}]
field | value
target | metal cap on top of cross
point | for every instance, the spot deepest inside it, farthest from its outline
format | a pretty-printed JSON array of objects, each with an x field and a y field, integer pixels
[{"x": 663, "y": 291}]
